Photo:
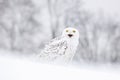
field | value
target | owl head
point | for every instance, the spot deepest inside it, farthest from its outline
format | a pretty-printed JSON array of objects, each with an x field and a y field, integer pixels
[{"x": 71, "y": 33}]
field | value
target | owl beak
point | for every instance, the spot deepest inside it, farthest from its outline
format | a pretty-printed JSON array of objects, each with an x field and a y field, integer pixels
[{"x": 70, "y": 35}]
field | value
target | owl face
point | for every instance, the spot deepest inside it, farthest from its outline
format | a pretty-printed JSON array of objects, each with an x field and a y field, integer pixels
[{"x": 71, "y": 33}]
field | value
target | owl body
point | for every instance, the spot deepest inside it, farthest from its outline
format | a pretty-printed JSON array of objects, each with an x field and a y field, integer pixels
[
  {"x": 70, "y": 51},
  {"x": 61, "y": 49}
]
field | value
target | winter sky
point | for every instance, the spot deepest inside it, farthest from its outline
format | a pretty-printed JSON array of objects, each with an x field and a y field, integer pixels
[{"x": 110, "y": 7}]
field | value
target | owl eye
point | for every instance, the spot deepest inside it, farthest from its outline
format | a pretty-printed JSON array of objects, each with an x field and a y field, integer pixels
[
  {"x": 74, "y": 31},
  {"x": 66, "y": 30}
]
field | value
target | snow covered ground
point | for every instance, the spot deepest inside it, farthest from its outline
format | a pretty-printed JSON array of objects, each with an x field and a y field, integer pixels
[{"x": 23, "y": 69}]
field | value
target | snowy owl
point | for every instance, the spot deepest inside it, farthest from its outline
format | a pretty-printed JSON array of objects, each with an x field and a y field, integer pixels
[{"x": 61, "y": 49}]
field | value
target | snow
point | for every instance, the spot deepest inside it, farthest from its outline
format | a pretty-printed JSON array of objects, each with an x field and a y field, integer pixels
[{"x": 22, "y": 69}]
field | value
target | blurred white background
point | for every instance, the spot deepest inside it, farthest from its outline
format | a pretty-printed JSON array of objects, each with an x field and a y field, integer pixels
[
  {"x": 109, "y": 7},
  {"x": 27, "y": 25}
]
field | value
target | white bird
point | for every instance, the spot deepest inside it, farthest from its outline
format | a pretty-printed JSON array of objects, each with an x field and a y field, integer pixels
[{"x": 63, "y": 48}]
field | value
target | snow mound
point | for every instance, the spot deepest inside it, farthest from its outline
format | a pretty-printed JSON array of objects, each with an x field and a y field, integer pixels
[{"x": 16, "y": 69}]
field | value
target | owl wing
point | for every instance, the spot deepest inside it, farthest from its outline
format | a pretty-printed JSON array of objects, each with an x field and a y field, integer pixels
[{"x": 55, "y": 48}]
